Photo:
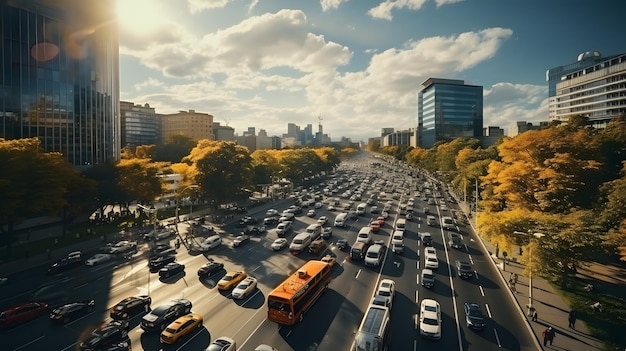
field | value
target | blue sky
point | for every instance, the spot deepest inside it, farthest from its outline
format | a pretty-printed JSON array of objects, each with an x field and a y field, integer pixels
[{"x": 357, "y": 63}]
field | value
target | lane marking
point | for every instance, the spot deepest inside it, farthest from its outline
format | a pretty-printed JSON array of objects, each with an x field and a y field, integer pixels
[
  {"x": 191, "y": 338},
  {"x": 39, "y": 338},
  {"x": 357, "y": 274},
  {"x": 495, "y": 332},
  {"x": 488, "y": 310},
  {"x": 482, "y": 292}
]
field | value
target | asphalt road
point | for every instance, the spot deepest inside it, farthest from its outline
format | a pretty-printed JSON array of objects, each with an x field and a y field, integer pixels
[{"x": 329, "y": 325}]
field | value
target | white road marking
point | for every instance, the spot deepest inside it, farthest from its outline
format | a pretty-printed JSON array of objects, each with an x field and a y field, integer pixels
[
  {"x": 488, "y": 310},
  {"x": 39, "y": 338},
  {"x": 357, "y": 274},
  {"x": 188, "y": 340},
  {"x": 495, "y": 332},
  {"x": 482, "y": 292}
]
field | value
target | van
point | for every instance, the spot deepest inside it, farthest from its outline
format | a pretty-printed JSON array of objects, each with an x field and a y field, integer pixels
[
  {"x": 398, "y": 247},
  {"x": 299, "y": 243},
  {"x": 365, "y": 235},
  {"x": 340, "y": 220},
  {"x": 401, "y": 224},
  {"x": 374, "y": 255},
  {"x": 358, "y": 250},
  {"x": 374, "y": 330},
  {"x": 211, "y": 242},
  {"x": 431, "y": 220},
  {"x": 360, "y": 209},
  {"x": 317, "y": 246},
  {"x": 314, "y": 230},
  {"x": 397, "y": 236}
]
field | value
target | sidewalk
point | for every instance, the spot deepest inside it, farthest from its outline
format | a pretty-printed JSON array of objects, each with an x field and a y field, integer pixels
[{"x": 552, "y": 310}]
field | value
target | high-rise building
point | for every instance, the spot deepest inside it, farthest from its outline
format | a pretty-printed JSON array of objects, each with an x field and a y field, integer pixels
[
  {"x": 224, "y": 133},
  {"x": 192, "y": 124},
  {"x": 597, "y": 91},
  {"x": 139, "y": 125},
  {"x": 449, "y": 109},
  {"x": 60, "y": 77},
  {"x": 263, "y": 141}
]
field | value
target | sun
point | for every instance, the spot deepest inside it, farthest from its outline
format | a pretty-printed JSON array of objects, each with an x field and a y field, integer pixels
[{"x": 139, "y": 16}]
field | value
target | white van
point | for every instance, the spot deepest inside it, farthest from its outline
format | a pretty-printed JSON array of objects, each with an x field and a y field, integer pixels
[
  {"x": 299, "y": 243},
  {"x": 314, "y": 230},
  {"x": 211, "y": 242},
  {"x": 360, "y": 209},
  {"x": 340, "y": 220},
  {"x": 401, "y": 224},
  {"x": 365, "y": 235},
  {"x": 431, "y": 220},
  {"x": 397, "y": 237}
]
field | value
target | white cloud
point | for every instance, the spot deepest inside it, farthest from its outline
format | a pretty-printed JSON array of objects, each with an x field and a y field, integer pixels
[
  {"x": 446, "y": 2},
  {"x": 331, "y": 4},
  {"x": 149, "y": 83},
  {"x": 196, "y": 6},
  {"x": 506, "y": 103},
  {"x": 383, "y": 10}
]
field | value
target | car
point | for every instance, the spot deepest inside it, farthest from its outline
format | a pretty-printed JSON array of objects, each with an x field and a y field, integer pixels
[
  {"x": 124, "y": 246},
  {"x": 397, "y": 247},
  {"x": 240, "y": 240},
  {"x": 426, "y": 239},
  {"x": 254, "y": 230},
  {"x": 106, "y": 336},
  {"x": 157, "y": 249},
  {"x": 464, "y": 269},
  {"x": 180, "y": 327},
  {"x": 65, "y": 313},
  {"x": 295, "y": 209},
  {"x": 474, "y": 316},
  {"x": 171, "y": 269},
  {"x": 279, "y": 244},
  {"x": 428, "y": 278},
  {"x": 455, "y": 240},
  {"x": 97, "y": 259},
  {"x": 430, "y": 251},
  {"x": 364, "y": 236},
  {"x": 245, "y": 288},
  {"x": 327, "y": 232},
  {"x": 22, "y": 313},
  {"x": 163, "y": 315},
  {"x": 210, "y": 268},
  {"x": 311, "y": 213},
  {"x": 426, "y": 210},
  {"x": 431, "y": 262},
  {"x": 342, "y": 244},
  {"x": 71, "y": 261},
  {"x": 159, "y": 262},
  {"x": 130, "y": 306},
  {"x": 318, "y": 205},
  {"x": 375, "y": 225},
  {"x": 231, "y": 279},
  {"x": 409, "y": 216},
  {"x": 222, "y": 343},
  {"x": 159, "y": 234},
  {"x": 430, "y": 319},
  {"x": 387, "y": 290},
  {"x": 271, "y": 220},
  {"x": 381, "y": 220},
  {"x": 330, "y": 260},
  {"x": 448, "y": 223},
  {"x": 271, "y": 212},
  {"x": 264, "y": 347},
  {"x": 317, "y": 246},
  {"x": 283, "y": 228},
  {"x": 443, "y": 207},
  {"x": 332, "y": 208},
  {"x": 322, "y": 220},
  {"x": 374, "y": 209},
  {"x": 431, "y": 201}
]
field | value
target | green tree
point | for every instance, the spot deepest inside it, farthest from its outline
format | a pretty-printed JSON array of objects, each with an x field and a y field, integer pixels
[{"x": 175, "y": 149}]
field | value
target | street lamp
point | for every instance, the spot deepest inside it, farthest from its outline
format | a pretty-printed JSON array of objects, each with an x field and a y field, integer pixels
[
  {"x": 153, "y": 211},
  {"x": 530, "y": 267}
]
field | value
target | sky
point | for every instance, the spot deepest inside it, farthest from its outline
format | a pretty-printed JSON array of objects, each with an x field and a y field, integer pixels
[{"x": 355, "y": 66}]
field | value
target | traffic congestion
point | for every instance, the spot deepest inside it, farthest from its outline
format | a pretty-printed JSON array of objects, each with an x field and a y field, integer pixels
[{"x": 376, "y": 253}]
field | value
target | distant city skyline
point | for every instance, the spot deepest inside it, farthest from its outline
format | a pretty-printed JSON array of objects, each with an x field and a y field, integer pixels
[{"x": 358, "y": 64}]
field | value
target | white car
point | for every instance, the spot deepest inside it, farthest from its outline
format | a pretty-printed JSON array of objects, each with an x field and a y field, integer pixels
[
  {"x": 430, "y": 319},
  {"x": 322, "y": 220},
  {"x": 327, "y": 232},
  {"x": 240, "y": 240},
  {"x": 311, "y": 213},
  {"x": 97, "y": 259},
  {"x": 279, "y": 244},
  {"x": 430, "y": 251},
  {"x": 123, "y": 246},
  {"x": 245, "y": 288},
  {"x": 318, "y": 205},
  {"x": 431, "y": 262},
  {"x": 283, "y": 228},
  {"x": 387, "y": 290},
  {"x": 222, "y": 343},
  {"x": 271, "y": 212},
  {"x": 443, "y": 207}
]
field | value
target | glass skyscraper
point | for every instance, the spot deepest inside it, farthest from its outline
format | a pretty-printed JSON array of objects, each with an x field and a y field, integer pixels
[
  {"x": 449, "y": 109},
  {"x": 59, "y": 79}
]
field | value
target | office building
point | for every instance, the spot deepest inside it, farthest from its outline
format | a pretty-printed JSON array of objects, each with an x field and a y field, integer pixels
[
  {"x": 194, "y": 125},
  {"x": 386, "y": 131},
  {"x": 223, "y": 133},
  {"x": 597, "y": 92},
  {"x": 401, "y": 137},
  {"x": 139, "y": 125},
  {"x": 449, "y": 109},
  {"x": 523, "y": 126},
  {"x": 491, "y": 135},
  {"x": 60, "y": 77},
  {"x": 263, "y": 141}
]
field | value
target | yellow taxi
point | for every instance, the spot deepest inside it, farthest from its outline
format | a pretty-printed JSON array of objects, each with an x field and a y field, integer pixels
[
  {"x": 181, "y": 327},
  {"x": 230, "y": 280}
]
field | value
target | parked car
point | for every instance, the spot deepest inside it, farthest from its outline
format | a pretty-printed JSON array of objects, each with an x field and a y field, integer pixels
[
  {"x": 210, "y": 268},
  {"x": 64, "y": 314},
  {"x": 162, "y": 316},
  {"x": 244, "y": 288},
  {"x": 22, "y": 313},
  {"x": 171, "y": 269},
  {"x": 342, "y": 244},
  {"x": 131, "y": 306}
]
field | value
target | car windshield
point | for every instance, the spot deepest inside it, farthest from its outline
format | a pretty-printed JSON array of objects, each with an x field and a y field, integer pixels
[
  {"x": 430, "y": 321},
  {"x": 384, "y": 293},
  {"x": 243, "y": 286},
  {"x": 372, "y": 254},
  {"x": 430, "y": 308}
]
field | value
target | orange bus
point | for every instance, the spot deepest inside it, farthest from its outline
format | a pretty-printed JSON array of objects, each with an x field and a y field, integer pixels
[{"x": 290, "y": 299}]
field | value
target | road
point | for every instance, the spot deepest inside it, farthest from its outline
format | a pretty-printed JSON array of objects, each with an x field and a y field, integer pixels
[{"x": 329, "y": 325}]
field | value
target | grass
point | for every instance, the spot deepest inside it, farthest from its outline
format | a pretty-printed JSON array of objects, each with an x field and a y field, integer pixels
[{"x": 608, "y": 325}]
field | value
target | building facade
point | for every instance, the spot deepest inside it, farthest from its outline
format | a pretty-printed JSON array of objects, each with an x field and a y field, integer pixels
[
  {"x": 60, "y": 77},
  {"x": 401, "y": 137},
  {"x": 223, "y": 133},
  {"x": 194, "y": 125},
  {"x": 449, "y": 109},
  {"x": 139, "y": 125},
  {"x": 597, "y": 91}
]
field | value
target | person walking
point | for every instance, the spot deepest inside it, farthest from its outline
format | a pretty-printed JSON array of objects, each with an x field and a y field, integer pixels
[
  {"x": 545, "y": 337},
  {"x": 551, "y": 335},
  {"x": 572, "y": 319},
  {"x": 534, "y": 315}
]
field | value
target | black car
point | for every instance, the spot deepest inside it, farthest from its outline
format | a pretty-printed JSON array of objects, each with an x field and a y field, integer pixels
[
  {"x": 160, "y": 247},
  {"x": 342, "y": 244},
  {"x": 106, "y": 336},
  {"x": 474, "y": 317},
  {"x": 70, "y": 311},
  {"x": 165, "y": 314},
  {"x": 73, "y": 260},
  {"x": 130, "y": 306},
  {"x": 171, "y": 269},
  {"x": 209, "y": 268},
  {"x": 159, "y": 262},
  {"x": 270, "y": 220}
]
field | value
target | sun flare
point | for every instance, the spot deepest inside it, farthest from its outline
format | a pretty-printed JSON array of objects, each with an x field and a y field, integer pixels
[{"x": 138, "y": 16}]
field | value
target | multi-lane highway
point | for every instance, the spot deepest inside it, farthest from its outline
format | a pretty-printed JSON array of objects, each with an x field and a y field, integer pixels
[{"x": 331, "y": 323}]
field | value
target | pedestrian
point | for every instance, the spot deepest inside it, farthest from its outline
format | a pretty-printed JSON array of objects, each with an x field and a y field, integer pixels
[
  {"x": 551, "y": 335},
  {"x": 572, "y": 319},
  {"x": 545, "y": 337},
  {"x": 534, "y": 315}
]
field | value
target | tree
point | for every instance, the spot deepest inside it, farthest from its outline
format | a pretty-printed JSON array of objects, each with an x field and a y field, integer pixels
[
  {"x": 223, "y": 170},
  {"x": 175, "y": 149},
  {"x": 138, "y": 179}
]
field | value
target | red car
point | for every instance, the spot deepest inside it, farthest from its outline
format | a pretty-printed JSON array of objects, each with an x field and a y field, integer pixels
[
  {"x": 375, "y": 225},
  {"x": 22, "y": 313}
]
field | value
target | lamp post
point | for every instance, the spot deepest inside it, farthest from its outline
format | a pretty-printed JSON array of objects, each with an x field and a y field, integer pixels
[
  {"x": 530, "y": 235},
  {"x": 193, "y": 186},
  {"x": 153, "y": 211}
]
